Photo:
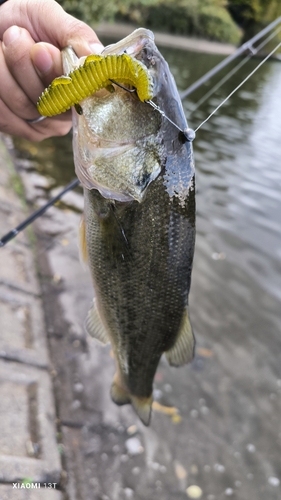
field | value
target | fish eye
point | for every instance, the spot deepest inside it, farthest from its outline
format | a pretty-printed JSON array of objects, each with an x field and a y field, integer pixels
[{"x": 78, "y": 109}]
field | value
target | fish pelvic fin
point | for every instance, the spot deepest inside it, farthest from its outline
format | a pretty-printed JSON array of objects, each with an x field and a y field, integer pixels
[
  {"x": 182, "y": 352},
  {"x": 95, "y": 327},
  {"x": 121, "y": 396},
  {"x": 83, "y": 253}
]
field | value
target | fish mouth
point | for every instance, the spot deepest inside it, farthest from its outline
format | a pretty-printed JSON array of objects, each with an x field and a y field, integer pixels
[
  {"x": 120, "y": 143},
  {"x": 140, "y": 45},
  {"x": 132, "y": 44},
  {"x": 117, "y": 137}
]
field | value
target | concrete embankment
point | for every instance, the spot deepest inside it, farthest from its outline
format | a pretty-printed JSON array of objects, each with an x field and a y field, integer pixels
[{"x": 29, "y": 451}]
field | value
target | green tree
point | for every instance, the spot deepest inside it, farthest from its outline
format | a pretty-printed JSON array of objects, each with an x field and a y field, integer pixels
[
  {"x": 252, "y": 15},
  {"x": 94, "y": 11},
  {"x": 204, "y": 18}
]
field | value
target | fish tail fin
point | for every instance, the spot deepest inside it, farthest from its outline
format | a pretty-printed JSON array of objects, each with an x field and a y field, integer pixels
[
  {"x": 121, "y": 396},
  {"x": 182, "y": 351},
  {"x": 142, "y": 407}
]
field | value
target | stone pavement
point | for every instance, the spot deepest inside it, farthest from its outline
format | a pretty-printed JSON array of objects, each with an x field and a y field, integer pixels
[{"x": 29, "y": 452}]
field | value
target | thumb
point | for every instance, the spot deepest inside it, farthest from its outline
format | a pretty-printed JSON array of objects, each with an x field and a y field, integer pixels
[{"x": 46, "y": 21}]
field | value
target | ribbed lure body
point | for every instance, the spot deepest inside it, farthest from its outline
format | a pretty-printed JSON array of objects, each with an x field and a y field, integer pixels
[{"x": 96, "y": 73}]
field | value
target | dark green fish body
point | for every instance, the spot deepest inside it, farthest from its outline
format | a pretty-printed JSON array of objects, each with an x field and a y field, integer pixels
[
  {"x": 138, "y": 174},
  {"x": 143, "y": 259}
]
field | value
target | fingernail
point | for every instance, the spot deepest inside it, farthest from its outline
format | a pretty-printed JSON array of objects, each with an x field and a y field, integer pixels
[
  {"x": 42, "y": 59},
  {"x": 96, "y": 48},
  {"x": 11, "y": 35}
]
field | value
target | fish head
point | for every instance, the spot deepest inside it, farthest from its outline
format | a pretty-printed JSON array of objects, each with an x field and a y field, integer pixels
[{"x": 120, "y": 143}]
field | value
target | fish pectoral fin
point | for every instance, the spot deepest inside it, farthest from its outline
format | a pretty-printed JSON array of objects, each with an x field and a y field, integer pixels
[
  {"x": 82, "y": 241},
  {"x": 95, "y": 327},
  {"x": 182, "y": 351}
]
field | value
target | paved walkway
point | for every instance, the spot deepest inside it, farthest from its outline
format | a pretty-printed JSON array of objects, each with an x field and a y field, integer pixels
[{"x": 29, "y": 452}]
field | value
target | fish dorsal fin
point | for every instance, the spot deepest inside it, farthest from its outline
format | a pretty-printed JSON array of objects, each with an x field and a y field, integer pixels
[
  {"x": 82, "y": 241},
  {"x": 95, "y": 326},
  {"x": 182, "y": 351}
]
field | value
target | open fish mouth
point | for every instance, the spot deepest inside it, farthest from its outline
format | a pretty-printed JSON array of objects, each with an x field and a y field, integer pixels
[{"x": 124, "y": 78}]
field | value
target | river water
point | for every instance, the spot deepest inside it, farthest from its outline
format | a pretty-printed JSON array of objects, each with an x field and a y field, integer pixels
[{"x": 228, "y": 442}]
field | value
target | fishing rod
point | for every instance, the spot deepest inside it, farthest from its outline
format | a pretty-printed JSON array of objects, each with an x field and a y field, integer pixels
[
  {"x": 14, "y": 232},
  {"x": 238, "y": 87},
  {"x": 248, "y": 45},
  {"x": 232, "y": 72}
]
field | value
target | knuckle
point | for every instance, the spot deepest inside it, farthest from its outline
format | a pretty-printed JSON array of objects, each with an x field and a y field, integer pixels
[
  {"x": 75, "y": 28},
  {"x": 21, "y": 105}
]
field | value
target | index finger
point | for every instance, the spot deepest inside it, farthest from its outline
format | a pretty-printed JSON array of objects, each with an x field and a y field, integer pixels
[{"x": 46, "y": 21}]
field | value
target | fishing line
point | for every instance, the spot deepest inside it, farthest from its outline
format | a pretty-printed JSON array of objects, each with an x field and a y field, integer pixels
[
  {"x": 238, "y": 87},
  {"x": 188, "y": 133},
  {"x": 254, "y": 51},
  {"x": 227, "y": 60}
]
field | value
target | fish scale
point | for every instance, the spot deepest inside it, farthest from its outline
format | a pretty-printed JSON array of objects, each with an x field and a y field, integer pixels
[{"x": 147, "y": 264}]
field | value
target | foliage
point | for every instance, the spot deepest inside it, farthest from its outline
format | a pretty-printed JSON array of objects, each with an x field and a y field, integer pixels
[
  {"x": 258, "y": 11},
  {"x": 204, "y": 18},
  {"x": 94, "y": 11},
  {"x": 90, "y": 11},
  {"x": 213, "y": 19},
  {"x": 253, "y": 15}
]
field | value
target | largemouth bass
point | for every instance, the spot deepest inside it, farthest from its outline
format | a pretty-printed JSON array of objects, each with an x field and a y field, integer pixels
[{"x": 139, "y": 220}]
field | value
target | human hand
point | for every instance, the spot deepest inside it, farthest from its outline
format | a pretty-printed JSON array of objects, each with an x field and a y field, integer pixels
[{"x": 32, "y": 34}]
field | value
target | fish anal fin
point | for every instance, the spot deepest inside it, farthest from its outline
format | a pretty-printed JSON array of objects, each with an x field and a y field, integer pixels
[
  {"x": 142, "y": 407},
  {"x": 95, "y": 327},
  {"x": 182, "y": 351},
  {"x": 82, "y": 241}
]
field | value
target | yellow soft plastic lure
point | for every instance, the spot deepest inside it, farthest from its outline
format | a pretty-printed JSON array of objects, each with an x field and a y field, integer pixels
[{"x": 93, "y": 75}]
